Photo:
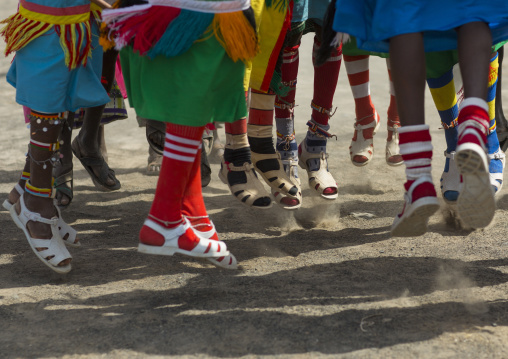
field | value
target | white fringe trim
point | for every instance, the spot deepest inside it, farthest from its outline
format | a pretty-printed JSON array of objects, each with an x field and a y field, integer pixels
[{"x": 340, "y": 38}]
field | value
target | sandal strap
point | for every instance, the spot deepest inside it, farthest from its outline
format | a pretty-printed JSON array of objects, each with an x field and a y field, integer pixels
[
  {"x": 498, "y": 155},
  {"x": 452, "y": 124},
  {"x": 287, "y": 139},
  {"x": 317, "y": 130},
  {"x": 323, "y": 110},
  {"x": 26, "y": 215},
  {"x": 450, "y": 155},
  {"x": 285, "y": 105}
]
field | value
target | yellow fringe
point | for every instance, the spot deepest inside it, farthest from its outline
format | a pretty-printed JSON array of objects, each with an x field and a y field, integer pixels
[
  {"x": 20, "y": 31},
  {"x": 236, "y": 35},
  {"x": 75, "y": 49},
  {"x": 16, "y": 35},
  {"x": 104, "y": 40}
]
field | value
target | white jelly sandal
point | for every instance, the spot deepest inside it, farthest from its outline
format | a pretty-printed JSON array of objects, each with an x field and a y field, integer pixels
[
  {"x": 247, "y": 193},
  {"x": 361, "y": 146},
  {"x": 55, "y": 246},
  {"x": 277, "y": 179},
  {"x": 204, "y": 249},
  {"x": 67, "y": 233},
  {"x": 450, "y": 180},
  {"x": 321, "y": 179},
  {"x": 392, "y": 148},
  {"x": 226, "y": 262},
  {"x": 290, "y": 167},
  {"x": 496, "y": 179}
]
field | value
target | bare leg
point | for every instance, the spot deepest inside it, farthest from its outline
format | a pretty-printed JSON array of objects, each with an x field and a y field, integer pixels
[
  {"x": 409, "y": 81},
  {"x": 63, "y": 199},
  {"x": 88, "y": 137}
]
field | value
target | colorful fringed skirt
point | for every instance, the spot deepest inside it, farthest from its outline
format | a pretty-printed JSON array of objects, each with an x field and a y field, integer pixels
[
  {"x": 44, "y": 82},
  {"x": 374, "y": 22},
  {"x": 197, "y": 87}
]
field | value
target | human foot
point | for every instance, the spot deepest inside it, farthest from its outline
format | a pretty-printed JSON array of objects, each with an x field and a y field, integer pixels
[{"x": 102, "y": 176}]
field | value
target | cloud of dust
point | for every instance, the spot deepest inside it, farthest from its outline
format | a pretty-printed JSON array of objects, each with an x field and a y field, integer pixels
[
  {"x": 452, "y": 278},
  {"x": 319, "y": 213}
]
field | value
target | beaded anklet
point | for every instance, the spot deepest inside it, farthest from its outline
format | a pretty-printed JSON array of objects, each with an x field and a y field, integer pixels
[{"x": 39, "y": 192}]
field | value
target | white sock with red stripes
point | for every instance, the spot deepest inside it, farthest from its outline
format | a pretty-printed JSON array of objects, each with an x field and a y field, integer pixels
[{"x": 416, "y": 150}]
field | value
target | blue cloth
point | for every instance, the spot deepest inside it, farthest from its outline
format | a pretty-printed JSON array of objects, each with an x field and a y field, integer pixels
[
  {"x": 309, "y": 9},
  {"x": 374, "y": 22},
  {"x": 44, "y": 83}
]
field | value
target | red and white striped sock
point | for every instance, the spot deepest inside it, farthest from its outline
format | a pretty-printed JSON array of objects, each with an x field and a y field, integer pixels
[
  {"x": 180, "y": 151},
  {"x": 473, "y": 121},
  {"x": 357, "y": 68},
  {"x": 416, "y": 150}
]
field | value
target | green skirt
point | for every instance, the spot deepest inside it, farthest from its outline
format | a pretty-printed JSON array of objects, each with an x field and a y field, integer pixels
[{"x": 198, "y": 87}]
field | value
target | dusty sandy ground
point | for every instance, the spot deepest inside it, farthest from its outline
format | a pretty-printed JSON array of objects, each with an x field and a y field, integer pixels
[{"x": 326, "y": 280}]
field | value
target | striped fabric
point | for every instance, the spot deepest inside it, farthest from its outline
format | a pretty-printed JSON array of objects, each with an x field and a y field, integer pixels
[
  {"x": 416, "y": 150},
  {"x": 58, "y": 12},
  {"x": 180, "y": 148}
]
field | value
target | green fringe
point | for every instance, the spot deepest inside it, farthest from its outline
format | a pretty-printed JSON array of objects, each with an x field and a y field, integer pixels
[
  {"x": 277, "y": 87},
  {"x": 280, "y": 5}
]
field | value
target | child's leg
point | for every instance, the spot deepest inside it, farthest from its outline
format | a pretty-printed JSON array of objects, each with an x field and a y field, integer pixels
[
  {"x": 367, "y": 119},
  {"x": 287, "y": 146},
  {"x": 165, "y": 230},
  {"x": 496, "y": 156},
  {"x": 445, "y": 98},
  {"x": 392, "y": 153},
  {"x": 193, "y": 208},
  {"x": 475, "y": 205},
  {"x": 312, "y": 149},
  {"x": 237, "y": 170},
  {"x": 259, "y": 129},
  {"x": 37, "y": 198},
  {"x": 502, "y": 123},
  {"x": 415, "y": 140},
  {"x": 87, "y": 144},
  {"x": 63, "y": 171}
]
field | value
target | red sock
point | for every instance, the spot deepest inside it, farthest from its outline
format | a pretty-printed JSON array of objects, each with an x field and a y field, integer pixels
[
  {"x": 325, "y": 83},
  {"x": 193, "y": 205},
  {"x": 416, "y": 150},
  {"x": 473, "y": 120},
  {"x": 289, "y": 69},
  {"x": 180, "y": 151}
]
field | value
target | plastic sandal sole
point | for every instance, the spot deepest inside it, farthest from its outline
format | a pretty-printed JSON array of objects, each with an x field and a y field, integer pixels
[
  {"x": 169, "y": 251},
  {"x": 60, "y": 270},
  {"x": 415, "y": 223},
  {"x": 476, "y": 204}
]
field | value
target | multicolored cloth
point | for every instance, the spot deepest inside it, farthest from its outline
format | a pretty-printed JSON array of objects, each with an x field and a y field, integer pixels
[
  {"x": 198, "y": 87},
  {"x": 374, "y": 22},
  {"x": 58, "y": 60}
]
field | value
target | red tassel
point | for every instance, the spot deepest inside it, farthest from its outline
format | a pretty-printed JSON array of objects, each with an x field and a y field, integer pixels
[{"x": 156, "y": 21}]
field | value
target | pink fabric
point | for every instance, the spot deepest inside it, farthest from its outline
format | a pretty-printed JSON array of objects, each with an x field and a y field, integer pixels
[
  {"x": 119, "y": 78},
  {"x": 26, "y": 112}
]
